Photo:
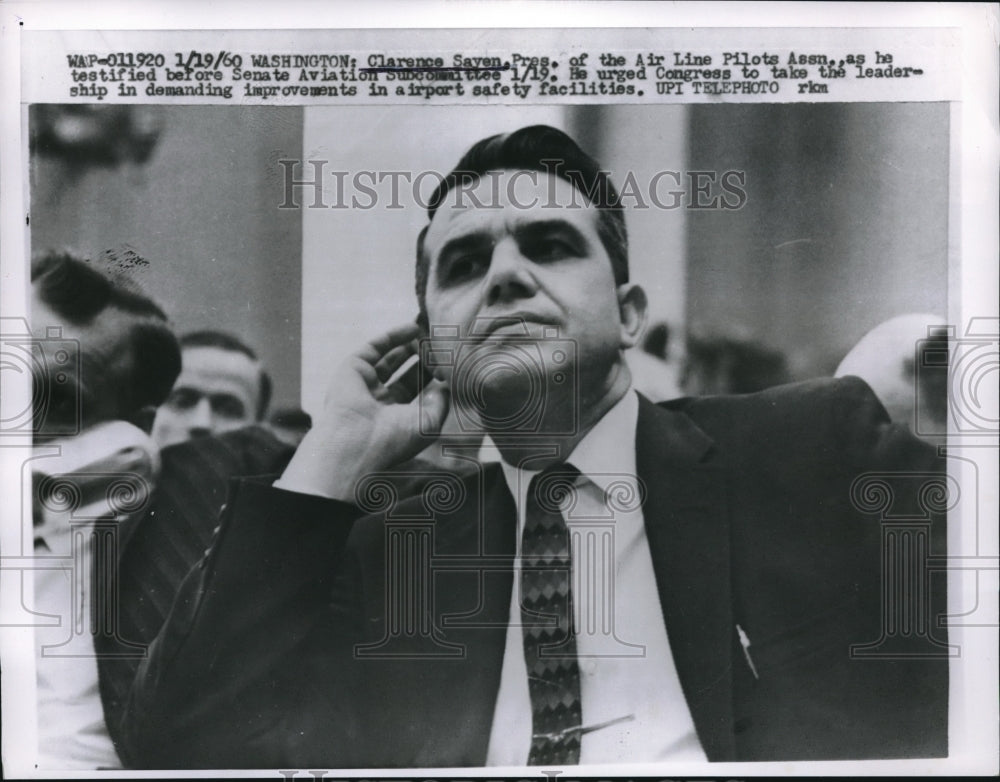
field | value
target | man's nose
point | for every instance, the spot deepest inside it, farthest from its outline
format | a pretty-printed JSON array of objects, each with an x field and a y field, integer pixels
[
  {"x": 200, "y": 418},
  {"x": 511, "y": 275}
]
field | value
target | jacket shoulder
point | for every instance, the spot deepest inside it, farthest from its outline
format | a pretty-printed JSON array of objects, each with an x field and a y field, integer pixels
[
  {"x": 807, "y": 397},
  {"x": 837, "y": 420},
  {"x": 824, "y": 409}
]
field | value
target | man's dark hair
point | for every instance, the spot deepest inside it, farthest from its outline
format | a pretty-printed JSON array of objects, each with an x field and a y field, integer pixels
[
  {"x": 292, "y": 418},
  {"x": 931, "y": 375},
  {"x": 657, "y": 341},
  {"x": 209, "y": 338},
  {"x": 79, "y": 293},
  {"x": 550, "y": 151}
]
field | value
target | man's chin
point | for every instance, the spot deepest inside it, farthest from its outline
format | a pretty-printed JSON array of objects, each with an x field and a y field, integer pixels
[
  {"x": 502, "y": 392},
  {"x": 511, "y": 404}
]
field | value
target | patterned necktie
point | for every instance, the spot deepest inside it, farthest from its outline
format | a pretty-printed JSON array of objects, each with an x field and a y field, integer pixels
[{"x": 547, "y": 619}]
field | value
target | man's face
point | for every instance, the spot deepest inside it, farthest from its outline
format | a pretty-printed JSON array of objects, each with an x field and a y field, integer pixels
[
  {"x": 217, "y": 390},
  {"x": 95, "y": 388},
  {"x": 541, "y": 266}
]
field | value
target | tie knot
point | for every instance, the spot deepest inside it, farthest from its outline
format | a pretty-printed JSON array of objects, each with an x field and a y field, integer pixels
[{"x": 549, "y": 489}]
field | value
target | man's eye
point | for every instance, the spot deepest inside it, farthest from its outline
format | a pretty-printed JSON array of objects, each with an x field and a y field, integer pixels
[
  {"x": 466, "y": 267},
  {"x": 183, "y": 398},
  {"x": 548, "y": 249},
  {"x": 228, "y": 407}
]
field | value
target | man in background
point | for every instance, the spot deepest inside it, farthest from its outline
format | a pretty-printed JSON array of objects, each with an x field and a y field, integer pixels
[
  {"x": 211, "y": 427},
  {"x": 289, "y": 424},
  {"x": 655, "y": 370},
  {"x": 222, "y": 387},
  {"x": 104, "y": 353},
  {"x": 727, "y": 364},
  {"x": 905, "y": 361}
]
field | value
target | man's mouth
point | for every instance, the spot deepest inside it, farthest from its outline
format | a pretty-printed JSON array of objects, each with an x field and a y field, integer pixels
[{"x": 518, "y": 324}]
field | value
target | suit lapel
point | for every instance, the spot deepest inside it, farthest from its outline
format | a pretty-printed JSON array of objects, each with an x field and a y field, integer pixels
[{"x": 688, "y": 531}]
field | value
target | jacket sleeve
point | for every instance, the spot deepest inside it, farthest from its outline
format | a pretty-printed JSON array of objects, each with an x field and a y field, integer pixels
[
  {"x": 230, "y": 682},
  {"x": 900, "y": 488},
  {"x": 158, "y": 548},
  {"x": 839, "y": 526}
]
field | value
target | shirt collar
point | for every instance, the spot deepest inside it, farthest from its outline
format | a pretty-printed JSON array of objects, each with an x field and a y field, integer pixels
[
  {"x": 105, "y": 472},
  {"x": 604, "y": 455}
]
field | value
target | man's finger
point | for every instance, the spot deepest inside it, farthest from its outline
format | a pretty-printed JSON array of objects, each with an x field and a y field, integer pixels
[
  {"x": 356, "y": 366},
  {"x": 393, "y": 360},
  {"x": 434, "y": 404},
  {"x": 378, "y": 347}
]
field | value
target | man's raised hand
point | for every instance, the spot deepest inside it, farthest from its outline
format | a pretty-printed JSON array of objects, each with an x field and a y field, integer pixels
[{"x": 367, "y": 425}]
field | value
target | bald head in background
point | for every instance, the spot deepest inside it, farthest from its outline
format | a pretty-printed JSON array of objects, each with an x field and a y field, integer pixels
[{"x": 904, "y": 360}]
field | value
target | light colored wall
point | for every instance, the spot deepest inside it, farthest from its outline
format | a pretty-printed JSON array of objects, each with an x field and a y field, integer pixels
[
  {"x": 643, "y": 141},
  {"x": 845, "y": 226}
]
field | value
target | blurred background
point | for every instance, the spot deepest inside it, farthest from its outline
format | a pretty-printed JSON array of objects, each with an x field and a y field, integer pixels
[
  {"x": 844, "y": 224},
  {"x": 184, "y": 199}
]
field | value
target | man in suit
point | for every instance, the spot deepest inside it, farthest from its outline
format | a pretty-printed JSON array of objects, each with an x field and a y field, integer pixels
[
  {"x": 159, "y": 546},
  {"x": 629, "y": 582},
  {"x": 210, "y": 428},
  {"x": 104, "y": 356}
]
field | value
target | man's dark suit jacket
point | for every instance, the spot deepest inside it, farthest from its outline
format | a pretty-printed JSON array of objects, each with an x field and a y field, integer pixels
[
  {"x": 286, "y": 647},
  {"x": 159, "y": 548}
]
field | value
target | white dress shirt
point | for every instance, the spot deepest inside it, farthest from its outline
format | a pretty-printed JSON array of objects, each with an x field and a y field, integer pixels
[
  {"x": 111, "y": 460},
  {"x": 627, "y": 672}
]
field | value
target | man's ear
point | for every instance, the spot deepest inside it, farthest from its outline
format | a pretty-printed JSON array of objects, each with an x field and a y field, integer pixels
[{"x": 632, "y": 311}]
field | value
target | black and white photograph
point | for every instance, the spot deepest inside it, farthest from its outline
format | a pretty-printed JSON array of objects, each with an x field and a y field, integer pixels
[{"x": 538, "y": 403}]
